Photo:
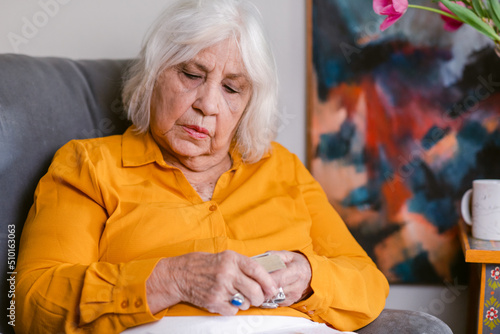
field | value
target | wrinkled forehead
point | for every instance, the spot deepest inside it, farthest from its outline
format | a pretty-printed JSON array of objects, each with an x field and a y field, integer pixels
[{"x": 224, "y": 57}]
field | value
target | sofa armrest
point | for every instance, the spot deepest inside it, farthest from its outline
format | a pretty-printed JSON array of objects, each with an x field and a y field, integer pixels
[{"x": 405, "y": 322}]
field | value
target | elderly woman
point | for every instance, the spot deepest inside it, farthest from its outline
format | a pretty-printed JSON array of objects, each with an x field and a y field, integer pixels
[{"x": 163, "y": 221}]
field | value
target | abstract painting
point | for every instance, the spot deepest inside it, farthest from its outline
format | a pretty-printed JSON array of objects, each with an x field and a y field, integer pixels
[{"x": 400, "y": 123}]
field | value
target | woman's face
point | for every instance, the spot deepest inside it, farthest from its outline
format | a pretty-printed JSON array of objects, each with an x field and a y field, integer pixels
[{"x": 196, "y": 105}]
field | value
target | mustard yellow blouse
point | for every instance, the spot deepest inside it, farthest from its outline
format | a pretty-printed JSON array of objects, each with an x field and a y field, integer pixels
[{"x": 110, "y": 208}]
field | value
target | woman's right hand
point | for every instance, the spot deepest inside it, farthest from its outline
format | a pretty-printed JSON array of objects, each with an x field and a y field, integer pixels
[{"x": 209, "y": 281}]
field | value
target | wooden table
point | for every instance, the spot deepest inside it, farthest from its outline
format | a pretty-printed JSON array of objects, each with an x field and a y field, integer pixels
[{"x": 484, "y": 259}]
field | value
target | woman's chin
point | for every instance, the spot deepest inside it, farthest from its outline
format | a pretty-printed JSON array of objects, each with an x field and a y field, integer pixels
[{"x": 188, "y": 149}]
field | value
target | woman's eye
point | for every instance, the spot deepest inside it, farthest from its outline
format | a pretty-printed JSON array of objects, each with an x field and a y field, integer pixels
[
  {"x": 230, "y": 90},
  {"x": 191, "y": 76}
]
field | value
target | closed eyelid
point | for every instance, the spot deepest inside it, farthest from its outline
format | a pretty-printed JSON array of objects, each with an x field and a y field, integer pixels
[
  {"x": 238, "y": 85},
  {"x": 234, "y": 81},
  {"x": 192, "y": 75}
]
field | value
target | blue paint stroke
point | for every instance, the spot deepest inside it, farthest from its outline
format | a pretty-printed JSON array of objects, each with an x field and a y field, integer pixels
[
  {"x": 433, "y": 136},
  {"x": 360, "y": 198},
  {"x": 416, "y": 270},
  {"x": 336, "y": 145}
]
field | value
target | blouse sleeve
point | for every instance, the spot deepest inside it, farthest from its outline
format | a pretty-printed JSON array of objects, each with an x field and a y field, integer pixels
[
  {"x": 348, "y": 290},
  {"x": 61, "y": 284}
]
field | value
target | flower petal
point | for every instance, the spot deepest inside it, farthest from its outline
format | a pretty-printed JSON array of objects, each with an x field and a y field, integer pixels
[
  {"x": 400, "y": 5},
  {"x": 389, "y": 10},
  {"x": 451, "y": 24},
  {"x": 378, "y": 5},
  {"x": 389, "y": 21}
]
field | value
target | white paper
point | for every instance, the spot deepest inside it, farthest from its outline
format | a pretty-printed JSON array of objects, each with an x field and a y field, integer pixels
[{"x": 233, "y": 325}]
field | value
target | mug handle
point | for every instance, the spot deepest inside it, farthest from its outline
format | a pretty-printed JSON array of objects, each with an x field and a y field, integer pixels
[{"x": 465, "y": 207}]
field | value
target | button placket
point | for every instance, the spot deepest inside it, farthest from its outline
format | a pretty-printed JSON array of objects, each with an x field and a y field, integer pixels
[{"x": 217, "y": 222}]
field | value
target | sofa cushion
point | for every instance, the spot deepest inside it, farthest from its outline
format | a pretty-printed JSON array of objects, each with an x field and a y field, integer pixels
[{"x": 44, "y": 103}]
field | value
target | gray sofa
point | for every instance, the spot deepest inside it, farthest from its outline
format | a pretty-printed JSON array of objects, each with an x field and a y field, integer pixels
[{"x": 45, "y": 102}]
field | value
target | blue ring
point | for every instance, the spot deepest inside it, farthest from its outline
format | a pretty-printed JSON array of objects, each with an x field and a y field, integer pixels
[{"x": 237, "y": 300}]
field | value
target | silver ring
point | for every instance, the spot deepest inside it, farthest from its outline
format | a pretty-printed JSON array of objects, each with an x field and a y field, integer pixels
[
  {"x": 237, "y": 299},
  {"x": 280, "y": 297},
  {"x": 273, "y": 303}
]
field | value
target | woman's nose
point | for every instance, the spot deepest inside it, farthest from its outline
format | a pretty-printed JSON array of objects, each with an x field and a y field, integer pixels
[{"x": 208, "y": 99}]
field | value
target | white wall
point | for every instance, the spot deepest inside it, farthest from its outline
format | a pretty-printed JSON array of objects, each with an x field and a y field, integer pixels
[{"x": 114, "y": 29}]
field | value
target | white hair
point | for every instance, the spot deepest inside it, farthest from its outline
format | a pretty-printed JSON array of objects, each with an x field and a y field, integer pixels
[{"x": 190, "y": 26}]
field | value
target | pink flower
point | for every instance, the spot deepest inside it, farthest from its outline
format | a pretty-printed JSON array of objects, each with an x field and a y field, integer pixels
[
  {"x": 495, "y": 273},
  {"x": 492, "y": 314},
  {"x": 394, "y": 9},
  {"x": 449, "y": 23}
]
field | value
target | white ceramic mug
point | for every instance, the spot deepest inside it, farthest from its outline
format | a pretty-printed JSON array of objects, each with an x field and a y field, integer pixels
[{"x": 485, "y": 217}]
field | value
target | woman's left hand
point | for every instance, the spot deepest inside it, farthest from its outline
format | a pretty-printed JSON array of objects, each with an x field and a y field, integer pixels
[{"x": 295, "y": 279}]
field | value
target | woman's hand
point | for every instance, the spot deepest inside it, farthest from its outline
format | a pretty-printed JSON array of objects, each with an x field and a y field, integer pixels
[
  {"x": 209, "y": 281},
  {"x": 295, "y": 279}
]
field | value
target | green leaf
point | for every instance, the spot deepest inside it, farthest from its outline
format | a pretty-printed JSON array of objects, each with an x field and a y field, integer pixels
[
  {"x": 467, "y": 16},
  {"x": 494, "y": 5},
  {"x": 478, "y": 7}
]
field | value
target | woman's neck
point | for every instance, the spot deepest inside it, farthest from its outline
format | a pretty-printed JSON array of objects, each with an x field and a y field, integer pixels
[{"x": 201, "y": 172}]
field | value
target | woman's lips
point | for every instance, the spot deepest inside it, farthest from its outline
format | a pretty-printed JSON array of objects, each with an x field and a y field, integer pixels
[{"x": 196, "y": 131}]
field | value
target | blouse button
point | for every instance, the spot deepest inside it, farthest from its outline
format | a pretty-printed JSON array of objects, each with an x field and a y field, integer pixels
[
  {"x": 212, "y": 207},
  {"x": 138, "y": 302},
  {"x": 124, "y": 304}
]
